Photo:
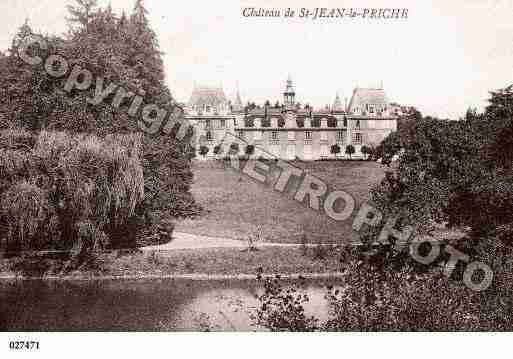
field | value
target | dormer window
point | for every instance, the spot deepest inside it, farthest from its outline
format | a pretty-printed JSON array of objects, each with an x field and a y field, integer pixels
[{"x": 371, "y": 109}]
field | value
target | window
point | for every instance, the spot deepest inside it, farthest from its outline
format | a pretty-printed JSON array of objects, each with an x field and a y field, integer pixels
[
  {"x": 345, "y": 121},
  {"x": 357, "y": 124},
  {"x": 371, "y": 109},
  {"x": 274, "y": 135},
  {"x": 240, "y": 134},
  {"x": 207, "y": 124},
  {"x": 341, "y": 136},
  {"x": 357, "y": 138},
  {"x": 209, "y": 136},
  {"x": 308, "y": 135},
  {"x": 208, "y": 109},
  {"x": 223, "y": 123}
]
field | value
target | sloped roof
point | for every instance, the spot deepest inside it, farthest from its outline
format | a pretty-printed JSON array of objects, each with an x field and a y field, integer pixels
[
  {"x": 205, "y": 95},
  {"x": 363, "y": 96}
]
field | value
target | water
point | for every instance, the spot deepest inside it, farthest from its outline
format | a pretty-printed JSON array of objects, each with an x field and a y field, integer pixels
[{"x": 143, "y": 305}]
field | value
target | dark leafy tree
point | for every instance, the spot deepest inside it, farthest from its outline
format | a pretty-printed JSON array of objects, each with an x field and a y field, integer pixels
[
  {"x": 335, "y": 149},
  {"x": 367, "y": 151},
  {"x": 217, "y": 150},
  {"x": 203, "y": 150},
  {"x": 234, "y": 148},
  {"x": 350, "y": 150},
  {"x": 250, "y": 150}
]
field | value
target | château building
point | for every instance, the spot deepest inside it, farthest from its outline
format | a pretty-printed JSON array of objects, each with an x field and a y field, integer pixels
[{"x": 291, "y": 131}]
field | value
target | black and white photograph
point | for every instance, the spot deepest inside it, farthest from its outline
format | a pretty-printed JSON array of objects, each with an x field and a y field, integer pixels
[{"x": 257, "y": 167}]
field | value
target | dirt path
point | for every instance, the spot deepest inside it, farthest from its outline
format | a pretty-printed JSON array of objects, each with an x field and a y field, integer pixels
[
  {"x": 193, "y": 241},
  {"x": 183, "y": 240}
]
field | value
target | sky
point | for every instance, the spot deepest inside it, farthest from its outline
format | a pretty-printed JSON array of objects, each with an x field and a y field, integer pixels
[{"x": 443, "y": 59}]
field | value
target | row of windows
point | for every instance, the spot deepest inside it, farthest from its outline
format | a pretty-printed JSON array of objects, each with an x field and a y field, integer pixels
[
  {"x": 250, "y": 123},
  {"x": 208, "y": 123},
  {"x": 300, "y": 123},
  {"x": 341, "y": 135}
]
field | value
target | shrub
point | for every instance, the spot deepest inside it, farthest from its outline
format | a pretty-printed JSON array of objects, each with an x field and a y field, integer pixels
[
  {"x": 281, "y": 309},
  {"x": 372, "y": 298}
]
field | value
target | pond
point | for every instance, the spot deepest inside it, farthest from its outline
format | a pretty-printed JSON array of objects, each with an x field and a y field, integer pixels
[{"x": 139, "y": 305}]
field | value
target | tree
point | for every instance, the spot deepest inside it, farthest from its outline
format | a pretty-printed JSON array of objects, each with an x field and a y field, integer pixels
[
  {"x": 218, "y": 150},
  {"x": 388, "y": 148},
  {"x": 367, "y": 151},
  {"x": 335, "y": 149},
  {"x": 203, "y": 150},
  {"x": 449, "y": 168},
  {"x": 350, "y": 150},
  {"x": 250, "y": 150},
  {"x": 121, "y": 51},
  {"x": 82, "y": 13},
  {"x": 234, "y": 148}
]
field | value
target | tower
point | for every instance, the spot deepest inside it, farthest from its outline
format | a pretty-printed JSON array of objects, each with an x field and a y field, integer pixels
[
  {"x": 289, "y": 96},
  {"x": 337, "y": 104},
  {"x": 237, "y": 106}
]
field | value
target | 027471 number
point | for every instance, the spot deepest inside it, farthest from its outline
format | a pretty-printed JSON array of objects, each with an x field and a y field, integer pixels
[{"x": 24, "y": 345}]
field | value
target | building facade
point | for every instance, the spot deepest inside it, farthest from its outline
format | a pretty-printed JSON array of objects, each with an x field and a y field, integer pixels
[{"x": 290, "y": 131}]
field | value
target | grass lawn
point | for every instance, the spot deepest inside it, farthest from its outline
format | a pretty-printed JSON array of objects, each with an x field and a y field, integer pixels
[{"x": 238, "y": 206}]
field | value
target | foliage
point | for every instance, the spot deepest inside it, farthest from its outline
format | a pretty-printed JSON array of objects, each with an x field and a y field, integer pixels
[
  {"x": 218, "y": 150},
  {"x": 381, "y": 298},
  {"x": 250, "y": 150},
  {"x": 234, "y": 148},
  {"x": 281, "y": 309},
  {"x": 388, "y": 148},
  {"x": 203, "y": 150},
  {"x": 335, "y": 149},
  {"x": 448, "y": 169},
  {"x": 122, "y": 50},
  {"x": 66, "y": 191},
  {"x": 367, "y": 151},
  {"x": 350, "y": 150}
]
